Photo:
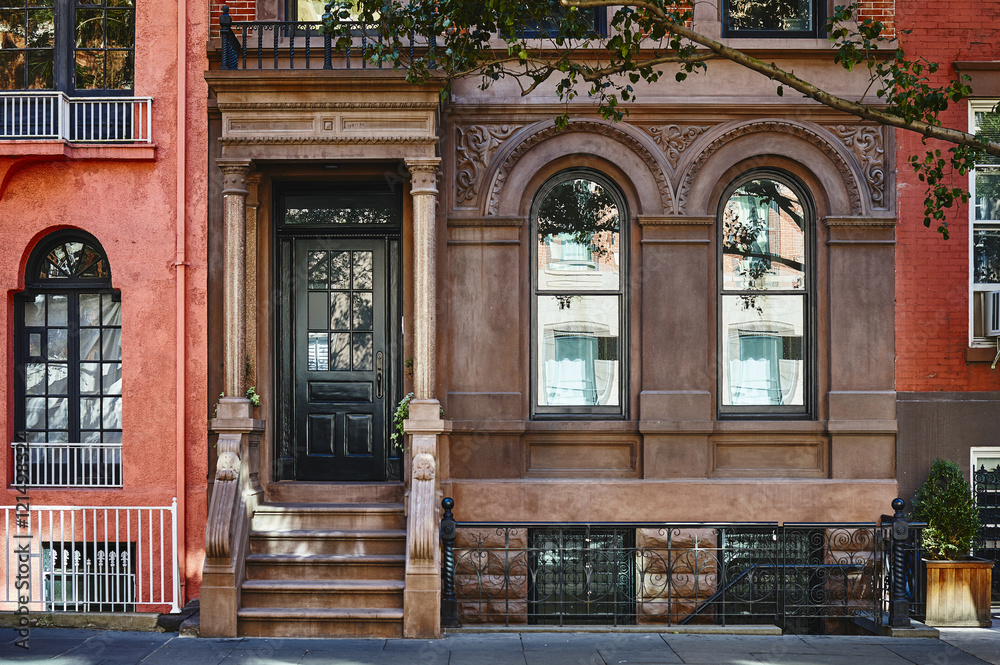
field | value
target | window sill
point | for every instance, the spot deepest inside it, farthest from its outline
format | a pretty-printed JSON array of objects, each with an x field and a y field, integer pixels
[
  {"x": 17, "y": 154},
  {"x": 980, "y": 354}
]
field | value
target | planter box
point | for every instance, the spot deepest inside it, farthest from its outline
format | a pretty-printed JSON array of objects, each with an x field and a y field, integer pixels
[{"x": 958, "y": 593}]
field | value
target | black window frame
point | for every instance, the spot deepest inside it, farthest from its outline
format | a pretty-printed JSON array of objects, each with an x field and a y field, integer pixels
[
  {"x": 816, "y": 31},
  {"x": 582, "y": 412},
  {"x": 72, "y": 288},
  {"x": 809, "y": 345},
  {"x": 64, "y": 49}
]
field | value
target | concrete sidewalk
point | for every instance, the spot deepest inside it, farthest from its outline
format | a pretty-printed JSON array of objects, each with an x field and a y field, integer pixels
[{"x": 92, "y": 647}]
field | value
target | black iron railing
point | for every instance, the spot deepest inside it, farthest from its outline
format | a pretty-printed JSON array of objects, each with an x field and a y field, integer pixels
[
  {"x": 259, "y": 45},
  {"x": 805, "y": 578},
  {"x": 986, "y": 483}
]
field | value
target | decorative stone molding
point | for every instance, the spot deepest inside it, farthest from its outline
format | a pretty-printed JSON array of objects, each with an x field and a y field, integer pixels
[
  {"x": 327, "y": 140},
  {"x": 491, "y": 222},
  {"x": 859, "y": 222},
  {"x": 674, "y": 139},
  {"x": 866, "y": 143},
  {"x": 260, "y": 106},
  {"x": 675, "y": 220},
  {"x": 589, "y": 126},
  {"x": 782, "y": 127},
  {"x": 474, "y": 147}
]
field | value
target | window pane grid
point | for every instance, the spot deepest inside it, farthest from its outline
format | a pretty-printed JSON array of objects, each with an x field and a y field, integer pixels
[{"x": 984, "y": 213}]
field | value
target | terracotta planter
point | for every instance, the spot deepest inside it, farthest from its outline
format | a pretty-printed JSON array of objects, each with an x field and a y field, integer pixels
[{"x": 958, "y": 592}]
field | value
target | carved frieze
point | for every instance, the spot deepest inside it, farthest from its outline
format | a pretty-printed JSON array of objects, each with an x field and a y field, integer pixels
[
  {"x": 590, "y": 126},
  {"x": 673, "y": 140},
  {"x": 474, "y": 148},
  {"x": 866, "y": 143}
]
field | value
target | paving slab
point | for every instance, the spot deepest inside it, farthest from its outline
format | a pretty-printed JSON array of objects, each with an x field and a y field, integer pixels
[
  {"x": 242, "y": 656},
  {"x": 663, "y": 655},
  {"x": 564, "y": 656},
  {"x": 935, "y": 654},
  {"x": 345, "y": 644}
]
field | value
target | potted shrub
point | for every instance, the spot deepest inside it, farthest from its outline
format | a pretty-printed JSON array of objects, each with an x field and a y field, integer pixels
[{"x": 958, "y": 585}]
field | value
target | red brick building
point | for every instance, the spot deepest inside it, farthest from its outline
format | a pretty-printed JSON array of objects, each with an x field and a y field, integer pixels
[{"x": 947, "y": 392}]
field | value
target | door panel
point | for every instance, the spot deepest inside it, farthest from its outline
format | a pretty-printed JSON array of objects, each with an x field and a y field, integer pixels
[{"x": 339, "y": 341}]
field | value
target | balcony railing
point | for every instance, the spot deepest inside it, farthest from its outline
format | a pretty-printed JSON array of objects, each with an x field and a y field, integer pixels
[
  {"x": 55, "y": 115},
  {"x": 71, "y": 464},
  {"x": 258, "y": 45},
  {"x": 90, "y": 558}
]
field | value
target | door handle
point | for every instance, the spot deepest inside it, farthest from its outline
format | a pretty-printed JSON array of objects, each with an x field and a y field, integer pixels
[{"x": 378, "y": 375}]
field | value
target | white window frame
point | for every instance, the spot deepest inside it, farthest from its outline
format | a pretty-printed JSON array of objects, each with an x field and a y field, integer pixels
[{"x": 977, "y": 105}]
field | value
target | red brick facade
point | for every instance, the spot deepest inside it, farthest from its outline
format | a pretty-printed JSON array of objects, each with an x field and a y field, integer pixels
[{"x": 932, "y": 274}]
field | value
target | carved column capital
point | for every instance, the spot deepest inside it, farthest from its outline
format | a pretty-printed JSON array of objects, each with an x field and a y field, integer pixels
[
  {"x": 234, "y": 175},
  {"x": 423, "y": 175}
]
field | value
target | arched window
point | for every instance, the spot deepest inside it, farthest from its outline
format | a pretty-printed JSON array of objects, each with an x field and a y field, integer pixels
[
  {"x": 766, "y": 297},
  {"x": 579, "y": 253},
  {"x": 69, "y": 365}
]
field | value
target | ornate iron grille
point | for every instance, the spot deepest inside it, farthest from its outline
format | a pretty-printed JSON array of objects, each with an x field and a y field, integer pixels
[
  {"x": 805, "y": 578},
  {"x": 987, "y": 488},
  {"x": 582, "y": 576}
]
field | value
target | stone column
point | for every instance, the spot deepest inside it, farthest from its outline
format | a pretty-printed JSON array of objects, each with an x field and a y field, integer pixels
[
  {"x": 234, "y": 192},
  {"x": 423, "y": 188},
  {"x": 422, "y": 597},
  {"x": 250, "y": 299}
]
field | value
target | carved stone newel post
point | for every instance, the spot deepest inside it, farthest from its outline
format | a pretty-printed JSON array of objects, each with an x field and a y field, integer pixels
[
  {"x": 422, "y": 598},
  {"x": 237, "y": 488}
]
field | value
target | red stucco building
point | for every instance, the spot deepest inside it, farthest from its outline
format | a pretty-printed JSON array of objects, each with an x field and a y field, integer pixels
[{"x": 103, "y": 258}]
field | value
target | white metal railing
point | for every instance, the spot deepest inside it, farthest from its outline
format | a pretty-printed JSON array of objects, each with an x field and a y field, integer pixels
[
  {"x": 71, "y": 464},
  {"x": 90, "y": 558},
  {"x": 54, "y": 115}
]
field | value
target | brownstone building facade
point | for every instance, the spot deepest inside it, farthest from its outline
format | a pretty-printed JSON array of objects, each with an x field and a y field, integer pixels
[{"x": 685, "y": 316}]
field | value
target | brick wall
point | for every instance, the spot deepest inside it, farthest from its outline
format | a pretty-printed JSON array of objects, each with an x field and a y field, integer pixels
[
  {"x": 880, "y": 10},
  {"x": 240, "y": 10},
  {"x": 932, "y": 274}
]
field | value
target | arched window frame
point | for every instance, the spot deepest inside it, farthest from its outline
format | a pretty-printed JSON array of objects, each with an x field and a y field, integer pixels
[
  {"x": 68, "y": 360},
  {"x": 807, "y": 347},
  {"x": 582, "y": 411}
]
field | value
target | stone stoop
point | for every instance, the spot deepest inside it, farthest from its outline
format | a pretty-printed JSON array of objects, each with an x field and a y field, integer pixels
[{"x": 317, "y": 570}]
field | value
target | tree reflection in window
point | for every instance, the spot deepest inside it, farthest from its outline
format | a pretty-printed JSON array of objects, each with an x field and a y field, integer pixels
[
  {"x": 74, "y": 260},
  {"x": 579, "y": 295},
  {"x": 764, "y": 292}
]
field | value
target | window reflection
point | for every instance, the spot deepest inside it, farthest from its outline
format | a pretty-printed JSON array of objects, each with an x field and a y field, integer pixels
[
  {"x": 579, "y": 295},
  {"x": 764, "y": 289}
]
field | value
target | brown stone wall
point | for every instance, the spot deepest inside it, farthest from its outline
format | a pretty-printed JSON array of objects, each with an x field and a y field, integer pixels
[
  {"x": 676, "y": 572},
  {"x": 491, "y": 576}
]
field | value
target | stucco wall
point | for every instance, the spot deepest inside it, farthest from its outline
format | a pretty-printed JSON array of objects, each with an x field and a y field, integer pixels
[{"x": 131, "y": 207}]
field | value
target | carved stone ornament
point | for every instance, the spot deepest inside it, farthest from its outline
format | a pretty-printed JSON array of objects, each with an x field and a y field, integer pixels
[
  {"x": 423, "y": 504},
  {"x": 592, "y": 127},
  {"x": 228, "y": 466},
  {"x": 328, "y": 140},
  {"x": 782, "y": 127},
  {"x": 423, "y": 467},
  {"x": 474, "y": 148},
  {"x": 867, "y": 145},
  {"x": 673, "y": 140}
]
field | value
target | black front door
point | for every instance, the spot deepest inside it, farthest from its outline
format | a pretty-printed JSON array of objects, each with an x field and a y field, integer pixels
[
  {"x": 340, "y": 358},
  {"x": 338, "y": 332}
]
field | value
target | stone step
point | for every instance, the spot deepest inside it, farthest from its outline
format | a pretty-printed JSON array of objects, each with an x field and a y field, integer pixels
[
  {"x": 278, "y": 516},
  {"x": 337, "y": 493},
  {"x": 328, "y": 541},
  {"x": 323, "y": 594},
  {"x": 332, "y": 622},
  {"x": 325, "y": 566}
]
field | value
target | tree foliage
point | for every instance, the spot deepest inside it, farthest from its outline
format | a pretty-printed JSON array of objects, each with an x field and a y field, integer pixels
[
  {"x": 945, "y": 502},
  {"x": 555, "y": 42}
]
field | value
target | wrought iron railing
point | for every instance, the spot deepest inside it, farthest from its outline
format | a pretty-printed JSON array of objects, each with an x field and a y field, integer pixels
[
  {"x": 259, "y": 45},
  {"x": 805, "y": 578},
  {"x": 71, "y": 464},
  {"x": 54, "y": 115},
  {"x": 986, "y": 484},
  {"x": 90, "y": 558}
]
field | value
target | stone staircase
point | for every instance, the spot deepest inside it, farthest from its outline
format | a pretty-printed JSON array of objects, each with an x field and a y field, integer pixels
[{"x": 324, "y": 569}]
